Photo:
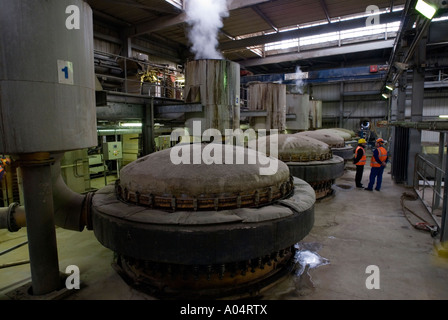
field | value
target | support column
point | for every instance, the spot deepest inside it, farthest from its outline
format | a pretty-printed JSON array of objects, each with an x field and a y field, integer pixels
[
  {"x": 148, "y": 128},
  {"x": 341, "y": 105},
  {"x": 401, "y": 97},
  {"x": 444, "y": 222},
  {"x": 438, "y": 185},
  {"x": 418, "y": 82},
  {"x": 38, "y": 198},
  {"x": 400, "y": 139},
  {"x": 126, "y": 50}
]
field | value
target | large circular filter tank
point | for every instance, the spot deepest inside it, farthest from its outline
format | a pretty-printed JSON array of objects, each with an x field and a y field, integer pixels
[
  {"x": 47, "y": 79},
  {"x": 203, "y": 230},
  {"x": 307, "y": 158},
  {"x": 335, "y": 138}
]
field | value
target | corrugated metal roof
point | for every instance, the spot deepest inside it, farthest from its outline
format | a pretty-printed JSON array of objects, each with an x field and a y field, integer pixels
[{"x": 167, "y": 21}]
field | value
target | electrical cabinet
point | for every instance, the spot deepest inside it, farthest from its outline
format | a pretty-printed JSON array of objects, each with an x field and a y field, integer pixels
[{"x": 112, "y": 150}]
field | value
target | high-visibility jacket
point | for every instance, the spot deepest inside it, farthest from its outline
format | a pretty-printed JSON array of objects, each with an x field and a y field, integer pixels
[
  {"x": 4, "y": 162},
  {"x": 382, "y": 155},
  {"x": 363, "y": 159}
]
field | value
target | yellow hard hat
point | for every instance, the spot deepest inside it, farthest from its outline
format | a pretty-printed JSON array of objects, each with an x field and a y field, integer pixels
[{"x": 361, "y": 141}]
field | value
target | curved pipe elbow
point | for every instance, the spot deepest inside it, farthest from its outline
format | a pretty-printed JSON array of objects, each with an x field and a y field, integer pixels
[{"x": 72, "y": 210}]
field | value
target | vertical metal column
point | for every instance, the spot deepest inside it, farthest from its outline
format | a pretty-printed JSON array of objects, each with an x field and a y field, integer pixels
[
  {"x": 417, "y": 106},
  {"x": 401, "y": 136},
  {"x": 341, "y": 105},
  {"x": 400, "y": 154},
  {"x": 401, "y": 97},
  {"x": 148, "y": 128},
  {"x": 444, "y": 222},
  {"x": 38, "y": 197},
  {"x": 438, "y": 182}
]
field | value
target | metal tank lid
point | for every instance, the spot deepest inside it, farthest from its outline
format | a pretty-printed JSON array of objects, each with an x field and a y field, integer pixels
[
  {"x": 216, "y": 182},
  {"x": 345, "y": 135},
  {"x": 331, "y": 138},
  {"x": 296, "y": 148}
]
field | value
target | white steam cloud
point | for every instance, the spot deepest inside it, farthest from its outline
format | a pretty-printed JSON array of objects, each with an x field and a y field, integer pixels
[
  {"x": 298, "y": 83},
  {"x": 205, "y": 19}
]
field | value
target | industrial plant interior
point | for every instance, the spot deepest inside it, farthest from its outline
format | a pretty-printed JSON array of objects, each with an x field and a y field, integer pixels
[{"x": 205, "y": 150}]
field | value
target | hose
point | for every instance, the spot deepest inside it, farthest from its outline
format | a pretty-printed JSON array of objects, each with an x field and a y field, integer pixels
[{"x": 423, "y": 225}]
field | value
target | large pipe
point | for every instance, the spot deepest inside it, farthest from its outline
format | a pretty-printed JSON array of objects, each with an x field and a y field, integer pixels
[
  {"x": 36, "y": 173},
  {"x": 12, "y": 217},
  {"x": 423, "y": 125},
  {"x": 71, "y": 209}
]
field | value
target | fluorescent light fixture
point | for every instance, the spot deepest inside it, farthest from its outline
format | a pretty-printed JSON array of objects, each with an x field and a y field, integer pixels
[
  {"x": 443, "y": 116},
  {"x": 385, "y": 96},
  {"x": 389, "y": 87},
  {"x": 130, "y": 124},
  {"x": 425, "y": 9}
]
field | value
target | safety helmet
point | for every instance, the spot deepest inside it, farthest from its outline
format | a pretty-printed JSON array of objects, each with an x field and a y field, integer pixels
[
  {"x": 361, "y": 141},
  {"x": 379, "y": 140}
]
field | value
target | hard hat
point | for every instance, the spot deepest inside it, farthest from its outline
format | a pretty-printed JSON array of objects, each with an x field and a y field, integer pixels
[
  {"x": 380, "y": 140},
  {"x": 361, "y": 141}
]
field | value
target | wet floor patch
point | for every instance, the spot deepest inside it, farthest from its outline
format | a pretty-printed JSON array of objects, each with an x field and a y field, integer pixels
[
  {"x": 343, "y": 186},
  {"x": 299, "y": 283}
]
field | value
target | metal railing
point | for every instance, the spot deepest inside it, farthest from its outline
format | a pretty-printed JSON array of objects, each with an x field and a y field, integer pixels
[
  {"x": 429, "y": 184},
  {"x": 133, "y": 76}
]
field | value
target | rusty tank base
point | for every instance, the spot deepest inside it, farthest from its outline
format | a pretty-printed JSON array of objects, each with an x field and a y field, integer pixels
[{"x": 230, "y": 281}]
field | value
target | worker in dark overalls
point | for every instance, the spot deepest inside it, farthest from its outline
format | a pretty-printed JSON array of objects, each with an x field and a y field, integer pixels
[{"x": 359, "y": 160}]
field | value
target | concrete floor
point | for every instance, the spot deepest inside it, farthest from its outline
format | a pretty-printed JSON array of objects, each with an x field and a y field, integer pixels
[{"x": 353, "y": 229}]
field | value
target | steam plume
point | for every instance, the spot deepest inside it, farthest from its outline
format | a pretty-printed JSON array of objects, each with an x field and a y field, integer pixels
[
  {"x": 298, "y": 83},
  {"x": 205, "y": 19}
]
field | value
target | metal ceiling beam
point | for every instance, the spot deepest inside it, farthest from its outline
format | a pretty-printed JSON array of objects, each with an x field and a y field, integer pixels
[
  {"x": 410, "y": 53},
  {"x": 263, "y": 16},
  {"x": 103, "y": 16},
  {"x": 287, "y": 35},
  {"x": 147, "y": 7},
  {"x": 166, "y": 22},
  {"x": 325, "y": 8},
  {"x": 405, "y": 25},
  {"x": 374, "y": 45}
]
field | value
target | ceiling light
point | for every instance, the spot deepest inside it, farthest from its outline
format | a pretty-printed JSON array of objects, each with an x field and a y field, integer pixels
[
  {"x": 385, "y": 96},
  {"x": 390, "y": 87},
  {"x": 425, "y": 9},
  {"x": 443, "y": 116}
]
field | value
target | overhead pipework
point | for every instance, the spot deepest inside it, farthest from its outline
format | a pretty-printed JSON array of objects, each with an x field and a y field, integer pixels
[
  {"x": 174, "y": 227},
  {"x": 47, "y": 107},
  {"x": 308, "y": 159}
]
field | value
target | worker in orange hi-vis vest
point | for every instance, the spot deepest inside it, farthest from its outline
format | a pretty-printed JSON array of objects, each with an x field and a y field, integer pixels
[
  {"x": 377, "y": 164},
  {"x": 3, "y": 163},
  {"x": 360, "y": 161}
]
